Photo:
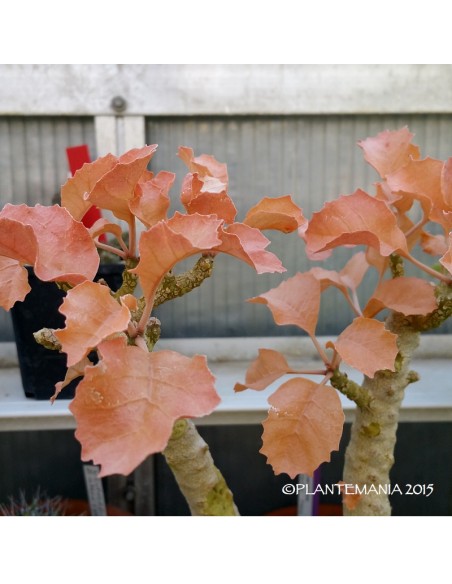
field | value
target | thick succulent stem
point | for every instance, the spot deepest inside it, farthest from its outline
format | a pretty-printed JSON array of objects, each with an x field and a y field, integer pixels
[
  {"x": 370, "y": 453},
  {"x": 201, "y": 483}
]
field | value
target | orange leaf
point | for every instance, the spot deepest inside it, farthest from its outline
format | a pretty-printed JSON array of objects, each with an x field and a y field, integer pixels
[
  {"x": 355, "y": 219},
  {"x": 409, "y": 296},
  {"x": 17, "y": 241},
  {"x": 279, "y": 213},
  {"x": 92, "y": 315},
  {"x": 13, "y": 282},
  {"x": 389, "y": 150},
  {"x": 446, "y": 260},
  {"x": 77, "y": 370},
  {"x": 446, "y": 182},
  {"x": 433, "y": 244},
  {"x": 105, "y": 226},
  {"x": 304, "y": 426},
  {"x": 115, "y": 189},
  {"x": 295, "y": 301},
  {"x": 151, "y": 202},
  {"x": 61, "y": 240},
  {"x": 248, "y": 244},
  {"x": 207, "y": 197},
  {"x": 74, "y": 190},
  {"x": 350, "y": 276},
  {"x": 204, "y": 165},
  {"x": 168, "y": 242},
  {"x": 422, "y": 180},
  {"x": 367, "y": 346},
  {"x": 268, "y": 367},
  {"x": 126, "y": 405},
  {"x": 354, "y": 270}
]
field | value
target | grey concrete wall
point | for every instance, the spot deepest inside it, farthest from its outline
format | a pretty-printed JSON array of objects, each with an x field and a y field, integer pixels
[{"x": 225, "y": 89}]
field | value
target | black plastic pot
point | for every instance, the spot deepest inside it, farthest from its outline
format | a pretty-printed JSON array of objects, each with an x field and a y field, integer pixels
[{"x": 41, "y": 368}]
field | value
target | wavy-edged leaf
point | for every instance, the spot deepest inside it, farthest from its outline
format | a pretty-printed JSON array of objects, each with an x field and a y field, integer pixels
[
  {"x": 204, "y": 165},
  {"x": 294, "y": 301},
  {"x": 446, "y": 259},
  {"x": 304, "y": 426},
  {"x": 116, "y": 188},
  {"x": 61, "y": 242},
  {"x": 151, "y": 202},
  {"x": 433, "y": 244},
  {"x": 248, "y": 244},
  {"x": 105, "y": 226},
  {"x": 389, "y": 150},
  {"x": 13, "y": 282},
  {"x": 367, "y": 346},
  {"x": 446, "y": 182},
  {"x": 350, "y": 276},
  {"x": 73, "y": 372},
  {"x": 92, "y": 315},
  {"x": 17, "y": 241},
  {"x": 169, "y": 242},
  {"x": 126, "y": 405},
  {"x": 207, "y": 196},
  {"x": 269, "y": 366},
  {"x": 74, "y": 190},
  {"x": 422, "y": 180},
  {"x": 407, "y": 295},
  {"x": 355, "y": 219},
  {"x": 279, "y": 213}
]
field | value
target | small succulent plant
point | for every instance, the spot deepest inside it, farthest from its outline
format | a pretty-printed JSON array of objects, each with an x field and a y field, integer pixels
[{"x": 38, "y": 504}]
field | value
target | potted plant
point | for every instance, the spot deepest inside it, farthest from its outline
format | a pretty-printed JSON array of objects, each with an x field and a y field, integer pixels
[
  {"x": 305, "y": 419},
  {"x": 150, "y": 395},
  {"x": 136, "y": 401}
]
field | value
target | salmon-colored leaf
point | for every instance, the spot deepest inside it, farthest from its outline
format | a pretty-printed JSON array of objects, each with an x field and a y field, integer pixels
[
  {"x": 433, "y": 244},
  {"x": 77, "y": 370},
  {"x": 207, "y": 196},
  {"x": 61, "y": 242},
  {"x": 104, "y": 226},
  {"x": 350, "y": 276},
  {"x": 304, "y": 426},
  {"x": 268, "y": 367},
  {"x": 74, "y": 190},
  {"x": 389, "y": 150},
  {"x": 126, "y": 405},
  {"x": 92, "y": 315},
  {"x": 151, "y": 202},
  {"x": 169, "y": 242},
  {"x": 204, "y": 165},
  {"x": 446, "y": 182},
  {"x": 279, "y": 213},
  {"x": 17, "y": 241},
  {"x": 355, "y": 269},
  {"x": 407, "y": 295},
  {"x": 248, "y": 244},
  {"x": 13, "y": 282},
  {"x": 355, "y": 219},
  {"x": 367, "y": 346},
  {"x": 116, "y": 188},
  {"x": 294, "y": 301},
  {"x": 422, "y": 180},
  {"x": 446, "y": 259}
]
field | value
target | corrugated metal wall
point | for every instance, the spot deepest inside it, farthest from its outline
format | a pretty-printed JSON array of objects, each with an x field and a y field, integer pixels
[
  {"x": 314, "y": 158},
  {"x": 33, "y": 164}
]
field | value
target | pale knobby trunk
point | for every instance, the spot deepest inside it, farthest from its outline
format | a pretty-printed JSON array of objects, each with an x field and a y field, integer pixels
[
  {"x": 370, "y": 453},
  {"x": 201, "y": 483}
]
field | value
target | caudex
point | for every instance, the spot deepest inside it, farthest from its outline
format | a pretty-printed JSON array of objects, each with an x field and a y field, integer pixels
[{"x": 136, "y": 401}]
